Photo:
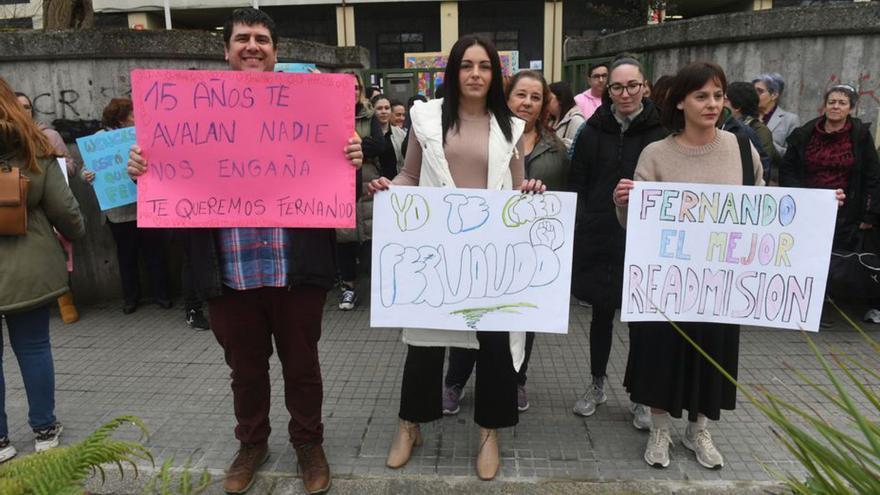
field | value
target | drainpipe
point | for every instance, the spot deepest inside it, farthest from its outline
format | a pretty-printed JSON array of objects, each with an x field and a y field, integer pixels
[{"x": 167, "y": 14}]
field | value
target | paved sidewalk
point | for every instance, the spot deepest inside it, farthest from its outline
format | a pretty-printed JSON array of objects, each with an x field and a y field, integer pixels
[{"x": 151, "y": 365}]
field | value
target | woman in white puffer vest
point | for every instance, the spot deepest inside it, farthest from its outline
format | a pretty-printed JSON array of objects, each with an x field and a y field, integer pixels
[{"x": 469, "y": 139}]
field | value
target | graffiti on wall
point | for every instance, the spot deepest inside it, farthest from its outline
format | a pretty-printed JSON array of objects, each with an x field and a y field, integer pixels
[{"x": 71, "y": 113}]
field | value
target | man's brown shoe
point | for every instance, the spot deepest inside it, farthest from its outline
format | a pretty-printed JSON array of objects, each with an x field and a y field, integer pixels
[
  {"x": 242, "y": 472},
  {"x": 313, "y": 468}
]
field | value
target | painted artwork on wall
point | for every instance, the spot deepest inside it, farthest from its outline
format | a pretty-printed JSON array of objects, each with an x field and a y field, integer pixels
[{"x": 437, "y": 60}]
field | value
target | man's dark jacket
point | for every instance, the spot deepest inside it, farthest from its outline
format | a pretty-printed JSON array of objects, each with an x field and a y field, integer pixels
[{"x": 311, "y": 259}]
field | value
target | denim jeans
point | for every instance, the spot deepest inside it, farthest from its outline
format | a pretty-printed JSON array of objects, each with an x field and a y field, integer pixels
[{"x": 29, "y": 335}]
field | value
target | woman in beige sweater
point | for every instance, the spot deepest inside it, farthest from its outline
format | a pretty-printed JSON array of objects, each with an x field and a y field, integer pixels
[{"x": 663, "y": 370}]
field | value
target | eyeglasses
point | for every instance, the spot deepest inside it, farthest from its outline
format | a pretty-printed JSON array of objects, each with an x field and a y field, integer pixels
[
  {"x": 599, "y": 76},
  {"x": 631, "y": 89}
]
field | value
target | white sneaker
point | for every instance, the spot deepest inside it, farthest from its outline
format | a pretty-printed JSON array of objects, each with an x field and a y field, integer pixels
[
  {"x": 595, "y": 395},
  {"x": 641, "y": 416},
  {"x": 657, "y": 450},
  {"x": 7, "y": 451},
  {"x": 701, "y": 444},
  {"x": 872, "y": 316},
  {"x": 47, "y": 438}
]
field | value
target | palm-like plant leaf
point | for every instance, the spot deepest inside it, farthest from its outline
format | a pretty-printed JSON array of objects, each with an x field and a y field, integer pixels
[{"x": 62, "y": 470}]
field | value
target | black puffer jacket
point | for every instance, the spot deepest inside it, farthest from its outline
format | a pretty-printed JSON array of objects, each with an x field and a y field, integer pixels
[{"x": 602, "y": 156}]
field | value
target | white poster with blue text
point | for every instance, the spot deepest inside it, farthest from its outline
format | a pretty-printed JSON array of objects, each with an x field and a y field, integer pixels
[
  {"x": 727, "y": 254},
  {"x": 472, "y": 259}
]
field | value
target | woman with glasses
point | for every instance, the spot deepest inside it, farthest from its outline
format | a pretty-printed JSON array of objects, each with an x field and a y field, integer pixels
[
  {"x": 607, "y": 150},
  {"x": 769, "y": 88},
  {"x": 836, "y": 151},
  {"x": 663, "y": 370},
  {"x": 468, "y": 139},
  {"x": 591, "y": 99}
]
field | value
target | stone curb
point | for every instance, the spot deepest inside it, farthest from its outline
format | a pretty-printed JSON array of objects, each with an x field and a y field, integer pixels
[{"x": 278, "y": 483}]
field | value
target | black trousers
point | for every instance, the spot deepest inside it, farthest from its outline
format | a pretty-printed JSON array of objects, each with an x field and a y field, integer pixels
[
  {"x": 600, "y": 339},
  {"x": 152, "y": 244},
  {"x": 191, "y": 299},
  {"x": 421, "y": 395},
  {"x": 461, "y": 364},
  {"x": 353, "y": 258}
]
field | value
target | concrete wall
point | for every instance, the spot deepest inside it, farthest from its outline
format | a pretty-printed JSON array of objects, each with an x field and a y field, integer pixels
[
  {"x": 812, "y": 47},
  {"x": 71, "y": 76}
]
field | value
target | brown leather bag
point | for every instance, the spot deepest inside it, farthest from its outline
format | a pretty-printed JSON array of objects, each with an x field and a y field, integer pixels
[{"x": 13, "y": 201}]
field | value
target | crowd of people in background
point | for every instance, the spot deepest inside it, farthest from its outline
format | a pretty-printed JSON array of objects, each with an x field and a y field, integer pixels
[{"x": 693, "y": 126}]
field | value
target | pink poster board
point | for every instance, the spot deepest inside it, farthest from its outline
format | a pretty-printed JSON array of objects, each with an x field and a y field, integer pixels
[{"x": 244, "y": 149}]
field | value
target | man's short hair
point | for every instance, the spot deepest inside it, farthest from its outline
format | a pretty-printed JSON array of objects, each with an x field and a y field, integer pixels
[
  {"x": 596, "y": 66},
  {"x": 249, "y": 17},
  {"x": 743, "y": 97}
]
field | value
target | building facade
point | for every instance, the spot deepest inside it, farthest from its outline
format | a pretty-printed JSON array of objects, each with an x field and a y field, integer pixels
[{"x": 535, "y": 29}]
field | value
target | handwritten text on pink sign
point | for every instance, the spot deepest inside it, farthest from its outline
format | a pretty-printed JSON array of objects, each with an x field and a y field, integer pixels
[{"x": 244, "y": 149}]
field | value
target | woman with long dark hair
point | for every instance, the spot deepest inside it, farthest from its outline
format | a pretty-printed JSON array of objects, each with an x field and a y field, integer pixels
[
  {"x": 663, "y": 371},
  {"x": 565, "y": 115},
  {"x": 467, "y": 139},
  {"x": 391, "y": 159},
  {"x": 545, "y": 159},
  {"x": 32, "y": 267}
]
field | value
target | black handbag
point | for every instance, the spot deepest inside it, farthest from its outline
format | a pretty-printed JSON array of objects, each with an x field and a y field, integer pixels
[{"x": 855, "y": 273}]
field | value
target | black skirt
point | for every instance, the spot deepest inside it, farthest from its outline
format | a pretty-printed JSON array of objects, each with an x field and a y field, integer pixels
[{"x": 664, "y": 371}]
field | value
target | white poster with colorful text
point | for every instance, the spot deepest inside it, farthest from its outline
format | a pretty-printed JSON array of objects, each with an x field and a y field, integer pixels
[
  {"x": 727, "y": 254},
  {"x": 472, "y": 259}
]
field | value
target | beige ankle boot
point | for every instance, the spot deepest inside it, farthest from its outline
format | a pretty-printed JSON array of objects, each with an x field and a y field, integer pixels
[
  {"x": 408, "y": 436},
  {"x": 487, "y": 457}
]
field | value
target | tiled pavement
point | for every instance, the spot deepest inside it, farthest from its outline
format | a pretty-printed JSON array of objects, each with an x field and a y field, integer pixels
[{"x": 151, "y": 365}]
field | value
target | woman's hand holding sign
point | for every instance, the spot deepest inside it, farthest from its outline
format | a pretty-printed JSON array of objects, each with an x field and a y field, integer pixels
[
  {"x": 376, "y": 185},
  {"x": 137, "y": 164},
  {"x": 532, "y": 186},
  {"x": 621, "y": 192},
  {"x": 354, "y": 152}
]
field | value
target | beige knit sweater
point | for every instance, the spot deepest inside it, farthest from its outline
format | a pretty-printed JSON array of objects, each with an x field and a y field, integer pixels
[{"x": 715, "y": 163}]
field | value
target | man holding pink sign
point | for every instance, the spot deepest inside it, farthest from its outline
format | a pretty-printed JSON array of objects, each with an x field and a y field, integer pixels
[{"x": 244, "y": 153}]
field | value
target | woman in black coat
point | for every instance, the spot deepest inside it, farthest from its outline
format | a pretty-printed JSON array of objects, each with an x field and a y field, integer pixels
[
  {"x": 836, "y": 151},
  {"x": 607, "y": 150}
]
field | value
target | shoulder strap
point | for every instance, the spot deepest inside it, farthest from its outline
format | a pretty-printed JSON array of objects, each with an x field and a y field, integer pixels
[{"x": 745, "y": 157}]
